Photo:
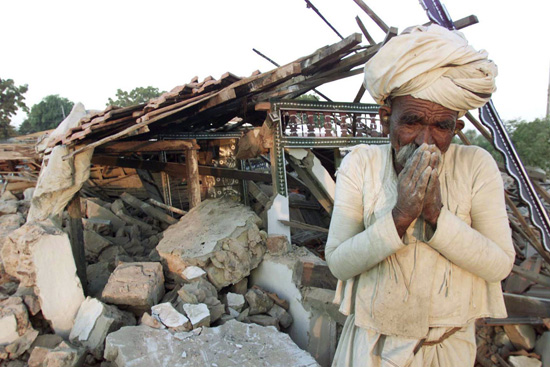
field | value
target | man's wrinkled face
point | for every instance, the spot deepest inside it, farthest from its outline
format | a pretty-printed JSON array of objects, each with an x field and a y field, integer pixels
[{"x": 417, "y": 121}]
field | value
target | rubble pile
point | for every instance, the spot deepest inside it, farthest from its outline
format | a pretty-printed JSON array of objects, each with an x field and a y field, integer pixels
[{"x": 184, "y": 285}]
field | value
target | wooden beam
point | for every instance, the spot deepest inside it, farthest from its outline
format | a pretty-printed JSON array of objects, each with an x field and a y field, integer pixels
[
  {"x": 193, "y": 181},
  {"x": 76, "y": 237},
  {"x": 518, "y": 305},
  {"x": 167, "y": 207},
  {"x": 147, "y": 146},
  {"x": 364, "y": 31},
  {"x": 300, "y": 225},
  {"x": 531, "y": 275},
  {"x": 373, "y": 16},
  {"x": 147, "y": 209},
  {"x": 330, "y": 53}
]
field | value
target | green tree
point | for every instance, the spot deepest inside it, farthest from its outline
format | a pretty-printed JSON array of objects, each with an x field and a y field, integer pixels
[
  {"x": 134, "y": 97},
  {"x": 11, "y": 99},
  {"x": 46, "y": 114}
]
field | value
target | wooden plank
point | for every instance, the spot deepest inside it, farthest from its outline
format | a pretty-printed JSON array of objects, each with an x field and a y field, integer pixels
[
  {"x": 330, "y": 54},
  {"x": 193, "y": 181},
  {"x": 511, "y": 321},
  {"x": 257, "y": 193},
  {"x": 300, "y": 225},
  {"x": 373, "y": 16},
  {"x": 318, "y": 276},
  {"x": 531, "y": 275},
  {"x": 147, "y": 146},
  {"x": 364, "y": 30},
  {"x": 147, "y": 209},
  {"x": 76, "y": 236},
  {"x": 518, "y": 305},
  {"x": 167, "y": 207}
]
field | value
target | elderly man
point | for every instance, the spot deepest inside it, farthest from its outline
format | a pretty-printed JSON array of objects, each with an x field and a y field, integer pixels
[{"x": 419, "y": 237}]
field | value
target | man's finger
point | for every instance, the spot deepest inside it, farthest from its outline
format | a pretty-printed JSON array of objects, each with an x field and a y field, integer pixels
[
  {"x": 421, "y": 167},
  {"x": 422, "y": 183},
  {"x": 433, "y": 183}
]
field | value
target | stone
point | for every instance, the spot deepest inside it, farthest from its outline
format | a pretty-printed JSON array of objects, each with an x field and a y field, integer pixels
[
  {"x": 264, "y": 320},
  {"x": 98, "y": 275},
  {"x": 29, "y": 298},
  {"x": 243, "y": 316},
  {"x": 64, "y": 355},
  {"x": 170, "y": 317},
  {"x": 198, "y": 314},
  {"x": 523, "y": 361},
  {"x": 235, "y": 301},
  {"x": 110, "y": 253},
  {"x": 502, "y": 340},
  {"x": 278, "y": 244},
  {"x": 192, "y": 272},
  {"x": 8, "y": 207},
  {"x": 521, "y": 336},
  {"x": 197, "y": 291},
  {"x": 58, "y": 181},
  {"x": 258, "y": 301},
  {"x": 96, "y": 211},
  {"x": 150, "y": 321},
  {"x": 21, "y": 345},
  {"x": 39, "y": 255},
  {"x": 216, "y": 308},
  {"x": 236, "y": 345},
  {"x": 241, "y": 287},
  {"x": 8, "y": 329},
  {"x": 49, "y": 341},
  {"x": 542, "y": 348},
  {"x": 37, "y": 356},
  {"x": 284, "y": 318},
  {"x": 136, "y": 286},
  {"x": 8, "y": 195},
  {"x": 28, "y": 193},
  {"x": 94, "y": 321},
  {"x": 97, "y": 225},
  {"x": 220, "y": 236},
  {"x": 94, "y": 244}
]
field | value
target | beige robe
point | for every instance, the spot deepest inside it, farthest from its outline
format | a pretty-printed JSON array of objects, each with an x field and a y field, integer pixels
[{"x": 404, "y": 286}]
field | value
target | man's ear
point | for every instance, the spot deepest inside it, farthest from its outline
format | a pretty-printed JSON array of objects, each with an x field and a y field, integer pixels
[
  {"x": 459, "y": 125},
  {"x": 385, "y": 112}
]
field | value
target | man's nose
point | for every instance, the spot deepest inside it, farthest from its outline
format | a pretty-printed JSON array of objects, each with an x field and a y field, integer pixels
[{"x": 424, "y": 136}]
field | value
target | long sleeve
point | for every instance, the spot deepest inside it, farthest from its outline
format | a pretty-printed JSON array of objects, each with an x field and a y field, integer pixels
[
  {"x": 484, "y": 249},
  {"x": 351, "y": 249}
]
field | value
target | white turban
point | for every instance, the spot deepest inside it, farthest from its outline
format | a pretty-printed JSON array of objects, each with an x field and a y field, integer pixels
[{"x": 434, "y": 64}]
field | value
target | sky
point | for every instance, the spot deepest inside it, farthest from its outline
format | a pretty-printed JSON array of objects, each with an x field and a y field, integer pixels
[{"x": 86, "y": 50}]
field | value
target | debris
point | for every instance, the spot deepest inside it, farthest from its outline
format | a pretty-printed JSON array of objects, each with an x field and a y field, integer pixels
[
  {"x": 258, "y": 301},
  {"x": 278, "y": 244},
  {"x": 283, "y": 317},
  {"x": 220, "y": 236},
  {"x": 135, "y": 286},
  {"x": 242, "y": 344},
  {"x": 192, "y": 273},
  {"x": 521, "y": 336},
  {"x": 150, "y": 321},
  {"x": 94, "y": 321},
  {"x": 64, "y": 355},
  {"x": 39, "y": 255},
  {"x": 235, "y": 301},
  {"x": 523, "y": 361},
  {"x": 170, "y": 317},
  {"x": 198, "y": 314}
]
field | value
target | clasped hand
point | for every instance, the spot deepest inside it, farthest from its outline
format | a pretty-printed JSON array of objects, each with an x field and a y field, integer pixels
[{"x": 418, "y": 191}]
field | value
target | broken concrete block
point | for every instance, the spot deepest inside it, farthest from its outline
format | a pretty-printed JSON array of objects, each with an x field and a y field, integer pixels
[
  {"x": 264, "y": 320},
  {"x": 170, "y": 317},
  {"x": 136, "y": 286},
  {"x": 110, "y": 253},
  {"x": 150, "y": 321},
  {"x": 542, "y": 348},
  {"x": 8, "y": 329},
  {"x": 98, "y": 275},
  {"x": 240, "y": 287},
  {"x": 49, "y": 341},
  {"x": 258, "y": 301},
  {"x": 97, "y": 225},
  {"x": 521, "y": 336},
  {"x": 58, "y": 182},
  {"x": 20, "y": 345},
  {"x": 8, "y": 195},
  {"x": 220, "y": 236},
  {"x": 524, "y": 361},
  {"x": 65, "y": 355},
  {"x": 40, "y": 256},
  {"x": 278, "y": 244},
  {"x": 29, "y": 298},
  {"x": 8, "y": 207},
  {"x": 37, "y": 356},
  {"x": 198, "y": 314},
  {"x": 94, "y": 244},
  {"x": 237, "y": 344},
  {"x": 94, "y": 321},
  {"x": 284, "y": 318},
  {"x": 192, "y": 272},
  {"x": 28, "y": 194},
  {"x": 96, "y": 211},
  {"x": 216, "y": 308},
  {"x": 197, "y": 291},
  {"x": 243, "y": 316},
  {"x": 235, "y": 301}
]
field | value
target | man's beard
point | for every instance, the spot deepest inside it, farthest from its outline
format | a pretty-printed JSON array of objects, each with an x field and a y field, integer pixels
[{"x": 407, "y": 151}]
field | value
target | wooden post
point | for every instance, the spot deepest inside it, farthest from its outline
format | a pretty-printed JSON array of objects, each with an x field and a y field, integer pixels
[
  {"x": 76, "y": 236},
  {"x": 193, "y": 183}
]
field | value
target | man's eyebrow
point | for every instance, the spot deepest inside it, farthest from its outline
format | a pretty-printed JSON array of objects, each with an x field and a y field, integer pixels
[
  {"x": 447, "y": 124},
  {"x": 409, "y": 119}
]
